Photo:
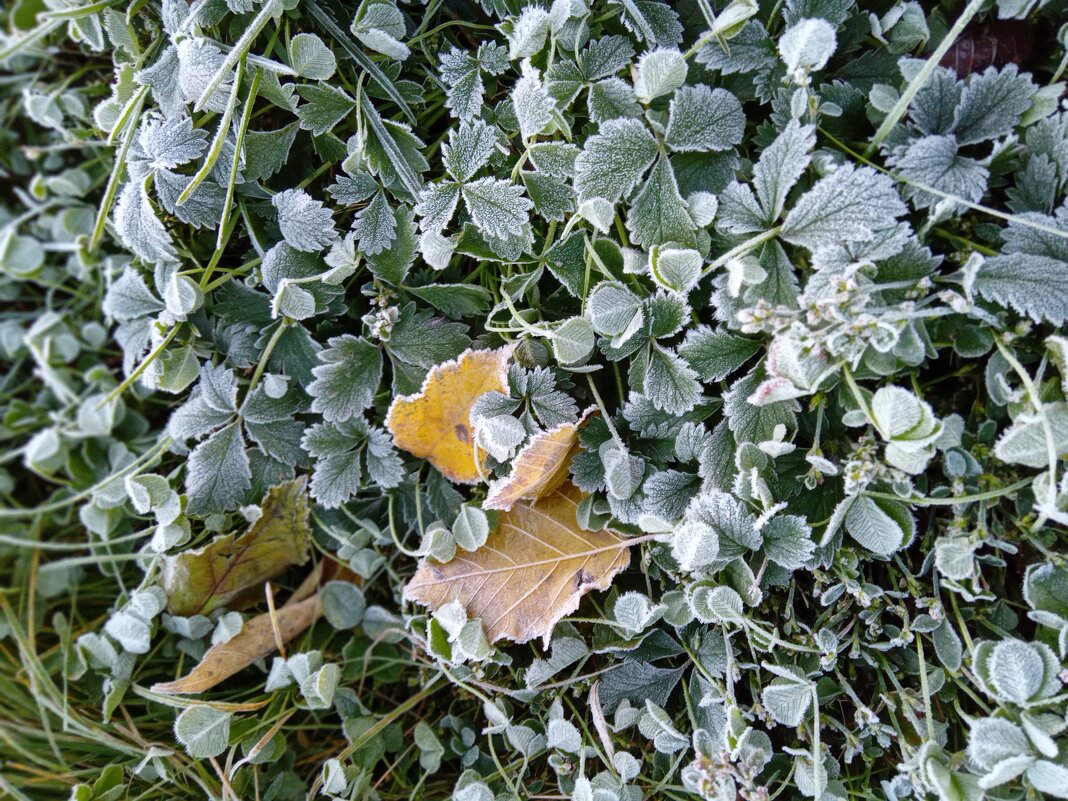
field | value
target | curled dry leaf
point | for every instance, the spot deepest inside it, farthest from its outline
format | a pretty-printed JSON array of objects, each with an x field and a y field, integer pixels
[
  {"x": 435, "y": 423},
  {"x": 255, "y": 641},
  {"x": 229, "y": 571},
  {"x": 533, "y": 569},
  {"x": 257, "y": 637},
  {"x": 539, "y": 468}
]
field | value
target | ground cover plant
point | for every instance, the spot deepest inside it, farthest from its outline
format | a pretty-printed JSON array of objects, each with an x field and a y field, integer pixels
[{"x": 589, "y": 400}]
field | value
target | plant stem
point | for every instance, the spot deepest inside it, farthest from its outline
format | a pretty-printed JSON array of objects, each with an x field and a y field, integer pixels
[{"x": 921, "y": 78}]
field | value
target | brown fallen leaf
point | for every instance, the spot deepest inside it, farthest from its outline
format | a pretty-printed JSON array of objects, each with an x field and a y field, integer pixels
[
  {"x": 258, "y": 637},
  {"x": 435, "y": 423},
  {"x": 255, "y": 640},
  {"x": 227, "y": 571},
  {"x": 533, "y": 569},
  {"x": 539, "y": 468}
]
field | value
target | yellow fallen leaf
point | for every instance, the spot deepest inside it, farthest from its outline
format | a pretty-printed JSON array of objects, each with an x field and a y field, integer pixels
[
  {"x": 533, "y": 569},
  {"x": 539, "y": 468},
  {"x": 228, "y": 571},
  {"x": 435, "y": 423}
]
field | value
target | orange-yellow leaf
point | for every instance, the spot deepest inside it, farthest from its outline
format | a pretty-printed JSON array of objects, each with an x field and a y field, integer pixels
[
  {"x": 539, "y": 468},
  {"x": 533, "y": 569},
  {"x": 435, "y": 423}
]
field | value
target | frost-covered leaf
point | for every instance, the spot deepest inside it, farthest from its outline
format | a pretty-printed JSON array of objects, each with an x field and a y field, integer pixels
[
  {"x": 310, "y": 58},
  {"x": 524, "y": 579},
  {"x": 497, "y": 207},
  {"x": 203, "y": 730},
  {"x": 849, "y": 205},
  {"x": 882, "y": 527},
  {"x": 993, "y": 740},
  {"x": 714, "y": 354},
  {"x": 527, "y": 33},
  {"x": 670, "y": 383},
  {"x": 129, "y": 298},
  {"x": 704, "y": 119},
  {"x": 808, "y": 45},
  {"x": 623, "y": 471},
  {"x": 787, "y": 698},
  {"x": 229, "y": 569},
  {"x": 218, "y": 473},
  {"x": 788, "y": 541},
  {"x": 659, "y": 72},
  {"x": 676, "y": 269},
  {"x": 1032, "y": 285},
  {"x": 266, "y": 152},
  {"x": 170, "y": 143},
  {"x": 735, "y": 527},
  {"x": 323, "y": 107},
  {"x": 936, "y": 162},
  {"x": 533, "y": 106},
  {"x": 614, "y": 160},
  {"x": 1019, "y": 672},
  {"x": 659, "y": 214},
  {"x": 652, "y": 22},
  {"x": 469, "y": 147},
  {"x": 139, "y": 227},
  {"x": 462, "y": 75},
  {"x": 199, "y": 60},
  {"x": 780, "y": 165},
  {"x": 437, "y": 204},
  {"x": 751, "y": 423},
  {"x": 435, "y": 424},
  {"x": 381, "y": 28},
  {"x": 554, "y": 158},
  {"x": 306, "y": 224},
  {"x": 991, "y": 104},
  {"x": 610, "y": 99},
  {"x": 471, "y": 528},
  {"x": 614, "y": 310},
  {"x": 347, "y": 378},
  {"x": 423, "y": 340},
  {"x": 375, "y": 226},
  {"x": 695, "y": 545}
]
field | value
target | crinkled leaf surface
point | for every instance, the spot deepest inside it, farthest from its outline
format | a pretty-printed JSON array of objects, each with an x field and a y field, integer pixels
[
  {"x": 228, "y": 568},
  {"x": 533, "y": 569}
]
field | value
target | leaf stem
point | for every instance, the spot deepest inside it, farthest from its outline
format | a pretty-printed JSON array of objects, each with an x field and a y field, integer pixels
[
  {"x": 920, "y": 79},
  {"x": 270, "y": 9},
  {"x": 116, "y": 172},
  {"x": 955, "y": 500},
  {"x": 604, "y": 413},
  {"x": 134, "y": 467},
  {"x": 219, "y": 141},
  {"x": 246, "y": 116},
  {"x": 741, "y": 249},
  {"x": 262, "y": 364}
]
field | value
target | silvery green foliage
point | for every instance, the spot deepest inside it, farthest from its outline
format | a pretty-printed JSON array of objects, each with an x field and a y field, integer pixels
[
  {"x": 381, "y": 27},
  {"x": 813, "y": 379},
  {"x": 304, "y": 223},
  {"x": 807, "y": 46},
  {"x": 203, "y": 730}
]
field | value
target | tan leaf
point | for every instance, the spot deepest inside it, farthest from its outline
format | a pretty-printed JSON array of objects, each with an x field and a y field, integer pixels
[
  {"x": 435, "y": 423},
  {"x": 539, "y": 468},
  {"x": 255, "y": 641},
  {"x": 257, "y": 637},
  {"x": 533, "y": 569},
  {"x": 227, "y": 571}
]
